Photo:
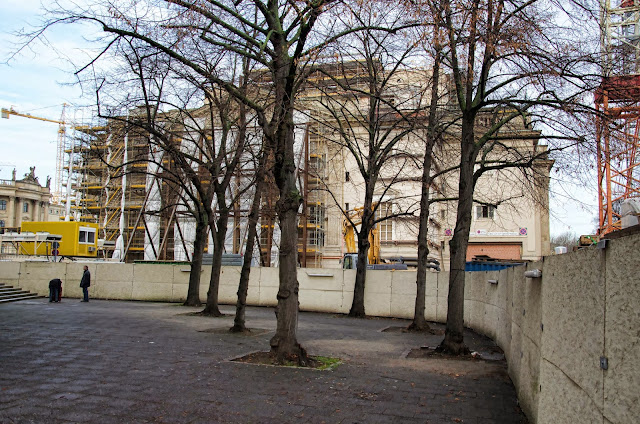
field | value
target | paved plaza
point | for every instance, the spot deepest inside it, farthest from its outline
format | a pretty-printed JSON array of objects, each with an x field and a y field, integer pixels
[{"x": 138, "y": 362}]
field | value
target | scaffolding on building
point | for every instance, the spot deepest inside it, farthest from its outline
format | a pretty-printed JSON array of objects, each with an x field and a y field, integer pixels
[
  {"x": 311, "y": 227},
  {"x": 114, "y": 187}
]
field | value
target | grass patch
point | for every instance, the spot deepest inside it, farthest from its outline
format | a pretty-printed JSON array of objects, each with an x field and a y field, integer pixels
[
  {"x": 321, "y": 363},
  {"x": 327, "y": 363}
]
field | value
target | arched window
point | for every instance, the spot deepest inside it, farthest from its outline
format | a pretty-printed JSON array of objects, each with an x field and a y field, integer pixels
[{"x": 25, "y": 207}]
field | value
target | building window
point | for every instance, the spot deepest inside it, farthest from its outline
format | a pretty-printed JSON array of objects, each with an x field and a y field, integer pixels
[
  {"x": 346, "y": 207},
  {"x": 3, "y": 205},
  {"x": 25, "y": 207},
  {"x": 385, "y": 228},
  {"x": 485, "y": 212},
  {"x": 87, "y": 235},
  {"x": 1, "y": 224},
  {"x": 347, "y": 178}
]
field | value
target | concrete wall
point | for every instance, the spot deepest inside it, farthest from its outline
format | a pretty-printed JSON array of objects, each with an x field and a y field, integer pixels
[{"x": 553, "y": 329}]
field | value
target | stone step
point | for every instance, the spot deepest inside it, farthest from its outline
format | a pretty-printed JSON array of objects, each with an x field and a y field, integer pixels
[
  {"x": 6, "y": 289},
  {"x": 11, "y": 294},
  {"x": 17, "y": 297}
]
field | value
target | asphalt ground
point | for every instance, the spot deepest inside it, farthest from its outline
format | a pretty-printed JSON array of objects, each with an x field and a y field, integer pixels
[{"x": 139, "y": 362}]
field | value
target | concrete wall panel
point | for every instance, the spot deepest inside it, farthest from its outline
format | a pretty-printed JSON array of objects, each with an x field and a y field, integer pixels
[
  {"x": 403, "y": 294},
  {"x": 562, "y": 401},
  {"x": 529, "y": 378},
  {"x": 320, "y": 279},
  {"x": 154, "y": 273},
  {"x": 320, "y": 300},
  {"x": 349, "y": 282},
  {"x": 443, "y": 293},
  {"x": 622, "y": 335},
  {"x": 74, "y": 273},
  {"x": 515, "y": 355},
  {"x": 229, "y": 280},
  {"x": 153, "y": 291},
  {"x": 205, "y": 280},
  {"x": 573, "y": 316},
  {"x": 181, "y": 275},
  {"x": 35, "y": 276},
  {"x": 253, "y": 292},
  {"x": 10, "y": 273},
  {"x": 179, "y": 292},
  {"x": 377, "y": 293},
  {"x": 532, "y": 308},
  {"x": 268, "y": 286}
]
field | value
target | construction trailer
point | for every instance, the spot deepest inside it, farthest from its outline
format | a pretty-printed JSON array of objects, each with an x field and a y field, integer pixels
[{"x": 79, "y": 239}]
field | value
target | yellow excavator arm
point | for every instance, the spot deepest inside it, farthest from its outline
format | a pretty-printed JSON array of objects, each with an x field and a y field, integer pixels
[{"x": 348, "y": 231}]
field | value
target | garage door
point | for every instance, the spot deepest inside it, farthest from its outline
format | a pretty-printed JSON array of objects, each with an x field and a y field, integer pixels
[{"x": 511, "y": 251}]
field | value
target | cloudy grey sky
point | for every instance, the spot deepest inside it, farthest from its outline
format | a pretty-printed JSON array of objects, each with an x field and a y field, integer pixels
[{"x": 40, "y": 79}]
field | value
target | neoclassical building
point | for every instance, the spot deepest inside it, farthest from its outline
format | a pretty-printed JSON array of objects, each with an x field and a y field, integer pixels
[{"x": 23, "y": 200}]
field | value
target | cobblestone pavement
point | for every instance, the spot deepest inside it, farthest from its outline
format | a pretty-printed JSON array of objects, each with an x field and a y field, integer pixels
[{"x": 138, "y": 362}]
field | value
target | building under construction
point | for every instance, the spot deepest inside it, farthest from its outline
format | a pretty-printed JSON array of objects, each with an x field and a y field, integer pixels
[
  {"x": 132, "y": 188},
  {"x": 144, "y": 216}
]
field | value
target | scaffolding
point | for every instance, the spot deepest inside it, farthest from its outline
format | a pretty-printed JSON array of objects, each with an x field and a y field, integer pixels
[
  {"x": 618, "y": 103},
  {"x": 311, "y": 227},
  {"x": 116, "y": 190}
]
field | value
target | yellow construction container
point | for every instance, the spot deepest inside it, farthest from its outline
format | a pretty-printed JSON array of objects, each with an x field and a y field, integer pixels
[{"x": 78, "y": 238}]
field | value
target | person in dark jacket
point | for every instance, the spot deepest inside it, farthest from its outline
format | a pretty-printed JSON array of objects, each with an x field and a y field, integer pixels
[
  {"x": 85, "y": 283},
  {"x": 55, "y": 289}
]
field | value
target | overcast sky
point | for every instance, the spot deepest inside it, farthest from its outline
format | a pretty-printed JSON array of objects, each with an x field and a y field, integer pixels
[{"x": 37, "y": 82}]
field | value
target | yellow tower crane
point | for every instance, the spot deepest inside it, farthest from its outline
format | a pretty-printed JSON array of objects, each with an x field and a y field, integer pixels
[{"x": 62, "y": 136}]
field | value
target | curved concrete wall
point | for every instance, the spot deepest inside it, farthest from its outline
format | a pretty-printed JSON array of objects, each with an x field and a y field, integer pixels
[{"x": 553, "y": 329}]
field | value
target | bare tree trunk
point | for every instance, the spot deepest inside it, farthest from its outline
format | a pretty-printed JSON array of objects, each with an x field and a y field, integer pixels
[
  {"x": 243, "y": 286},
  {"x": 284, "y": 343},
  {"x": 193, "y": 292},
  {"x": 212, "y": 308},
  {"x": 453, "y": 342},
  {"x": 357, "y": 306},
  {"x": 419, "y": 321}
]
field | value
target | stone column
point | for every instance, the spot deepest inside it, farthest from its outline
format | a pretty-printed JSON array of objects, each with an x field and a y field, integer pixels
[
  {"x": 19, "y": 206},
  {"x": 36, "y": 211},
  {"x": 11, "y": 209}
]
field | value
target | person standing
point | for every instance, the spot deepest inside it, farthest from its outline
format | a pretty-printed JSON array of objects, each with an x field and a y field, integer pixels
[
  {"x": 85, "y": 283},
  {"x": 55, "y": 288}
]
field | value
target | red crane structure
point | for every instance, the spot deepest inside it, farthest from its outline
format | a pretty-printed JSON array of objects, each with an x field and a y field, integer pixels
[{"x": 618, "y": 103}]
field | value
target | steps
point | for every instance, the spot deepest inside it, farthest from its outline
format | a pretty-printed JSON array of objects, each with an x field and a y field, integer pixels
[{"x": 11, "y": 294}]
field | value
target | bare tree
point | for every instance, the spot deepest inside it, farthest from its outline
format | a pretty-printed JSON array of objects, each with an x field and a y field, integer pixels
[
  {"x": 567, "y": 239},
  {"x": 252, "y": 234},
  {"x": 504, "y": 62},
  {"x": 435, "y": 126},
  {"x": 369, "y": 102}
]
